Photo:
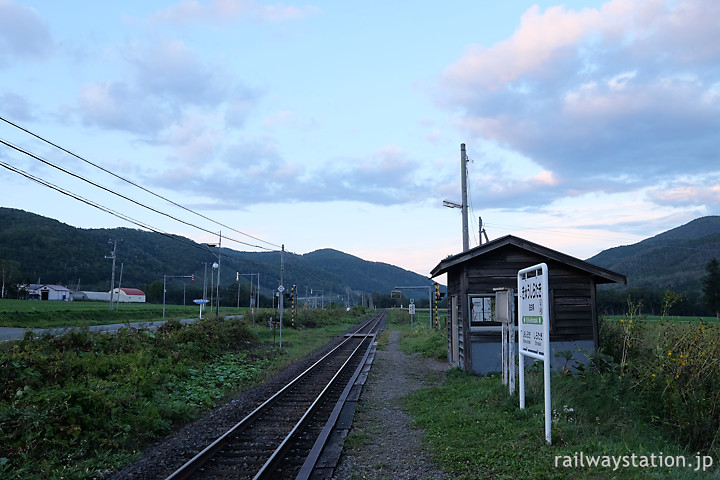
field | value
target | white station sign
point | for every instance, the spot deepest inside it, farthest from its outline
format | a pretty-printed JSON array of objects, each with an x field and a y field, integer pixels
[
  {"x": 534, "y": 329},
  {"x": 533, "y": 311}
]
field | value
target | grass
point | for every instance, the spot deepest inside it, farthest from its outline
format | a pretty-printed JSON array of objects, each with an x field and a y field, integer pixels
[
  {"x": 47, "y": 314},
  {"x": 475, "y": 429},
  {"x": 422, "y": 338},
  {"x": 145, "y": 384},
  {"x": 667, "y": 318}
]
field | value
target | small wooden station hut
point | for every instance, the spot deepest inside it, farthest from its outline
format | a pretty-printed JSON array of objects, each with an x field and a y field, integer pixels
[{"x": 474, "y": 337}]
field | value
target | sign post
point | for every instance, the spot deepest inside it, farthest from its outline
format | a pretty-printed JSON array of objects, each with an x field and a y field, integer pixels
[
  {"x": 534, "y": 330},
  {"x": 505, "y": 314},
  {"x": 201, "y": 302},
  {"x": 411, "y": 309},
  {"x": 280, "y": 290}
]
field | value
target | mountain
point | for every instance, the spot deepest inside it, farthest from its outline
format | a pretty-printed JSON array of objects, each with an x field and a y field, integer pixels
[
  {"x": 366, "y": 276},
  {"x": 675, "y": 259},
  {"x": 45, "y": 250}
]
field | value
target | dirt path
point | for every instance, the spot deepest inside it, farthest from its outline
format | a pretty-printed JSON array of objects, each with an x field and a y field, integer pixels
[{"x": 383, "y": 444}]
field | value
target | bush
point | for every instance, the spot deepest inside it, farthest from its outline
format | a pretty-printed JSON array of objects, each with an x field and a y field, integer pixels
[
  {"x": 675, "y": 368},
  {"x": 89, "y": 398}
]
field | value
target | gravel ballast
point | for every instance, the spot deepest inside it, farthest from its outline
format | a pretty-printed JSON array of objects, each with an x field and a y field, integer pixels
[{"x": 389, "y": 447}]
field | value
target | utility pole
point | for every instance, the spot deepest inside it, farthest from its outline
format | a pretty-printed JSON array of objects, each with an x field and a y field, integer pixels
[
  {"x": 202, "y": 307},
  {"x": 463, "y": 178},
  {"x": 281, "y": 288},
  {"x": 117, "y": 302},
  {"x": 112, "y": 281},
  {"x": 217, "y": 296},
  {"x": 464, "y": 205},
  {"x": 481, "y": 231}
]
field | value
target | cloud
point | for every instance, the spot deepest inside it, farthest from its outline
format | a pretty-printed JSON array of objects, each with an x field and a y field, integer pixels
[
  {"x": 253, "y": 171},
  {"x": 16, "y": 107},
  {"x": 23, "y": 33},
  {"x": 162, "y": 82},
  {"x": 214, "y": 11},
  {"x": 606, "y": 99},
  {"x": 703, "y": 191},
  {"x": 119, "y": 106},
  {"x": 172, "y": 70}
]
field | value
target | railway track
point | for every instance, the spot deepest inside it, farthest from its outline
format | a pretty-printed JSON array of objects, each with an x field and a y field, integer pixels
[{"x": 281, "y": 438}]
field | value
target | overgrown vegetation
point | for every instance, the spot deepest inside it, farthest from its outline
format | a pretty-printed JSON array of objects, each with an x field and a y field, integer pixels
[
  {"x": 424, "y": 337},
  {"x": 651, "y": 390},
  {"x": 80, "y": 405},
  {"x": 674, "y": 368}
]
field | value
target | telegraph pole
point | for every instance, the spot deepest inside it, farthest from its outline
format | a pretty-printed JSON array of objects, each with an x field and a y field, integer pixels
[
  {"x": 112, "y": 281},
  {"x": 217, "y": 296},
  {"x": 481, "y": 231},
  {"x": 117, "y": 302},
  {"x": 281, "y": 288},
  {"x": 463, "y": 178}
]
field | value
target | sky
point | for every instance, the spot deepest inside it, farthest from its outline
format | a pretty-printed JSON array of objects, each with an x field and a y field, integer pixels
[{"x": 324, "y": 124}]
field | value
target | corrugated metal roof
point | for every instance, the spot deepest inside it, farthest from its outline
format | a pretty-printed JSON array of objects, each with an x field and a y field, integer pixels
[{"x": 132, "y": 291}]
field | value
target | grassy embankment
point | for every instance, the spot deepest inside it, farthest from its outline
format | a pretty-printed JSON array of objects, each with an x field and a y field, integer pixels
[
  {"x": 654, "y": 389},
  {"x": 39, "y": 314},
  {"x": 84, "y": 404}
]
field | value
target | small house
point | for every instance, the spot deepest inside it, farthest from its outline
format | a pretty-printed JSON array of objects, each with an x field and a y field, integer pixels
[
  {"x": 55, "y": 292},
  {"x": 33, "y": 291},
  {"x": 128, "y": 295},
  {"x": 474, "y": 337}
]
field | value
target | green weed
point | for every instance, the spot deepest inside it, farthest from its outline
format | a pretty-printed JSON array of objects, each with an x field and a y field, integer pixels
[{"x": 81, "y": 405}]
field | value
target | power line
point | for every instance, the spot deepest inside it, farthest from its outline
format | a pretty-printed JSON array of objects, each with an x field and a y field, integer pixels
[
  {"x": 135, "y": 184},
  {"x": 77, "y": 197},
  {"x": 79, "y": 177}
]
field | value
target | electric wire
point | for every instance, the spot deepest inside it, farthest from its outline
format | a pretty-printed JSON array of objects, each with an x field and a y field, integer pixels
[
  {"x": 135, "y": 184},
  {"x": 79, "y": 198},
  {"x": 97, "y": 185}
]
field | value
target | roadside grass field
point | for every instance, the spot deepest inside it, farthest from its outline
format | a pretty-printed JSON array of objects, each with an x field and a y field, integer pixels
[
  {"x": 53, "y": 314},
  {"x": 84, "y": 404},
  {"x": 652, "y": 391}
]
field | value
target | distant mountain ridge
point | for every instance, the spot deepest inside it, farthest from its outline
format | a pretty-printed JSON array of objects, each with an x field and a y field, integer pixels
[
  {"x": 50, "y": 251},
  {"x": 674, "y": 259}
]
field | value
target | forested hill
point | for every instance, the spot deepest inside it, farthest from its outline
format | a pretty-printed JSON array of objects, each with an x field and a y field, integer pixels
[
  {"x": 44, "y": 250},
  {"x": 675, "y": 259}
]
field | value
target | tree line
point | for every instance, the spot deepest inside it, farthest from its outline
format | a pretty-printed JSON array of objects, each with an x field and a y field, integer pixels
[{"x": 662, "y": 302}]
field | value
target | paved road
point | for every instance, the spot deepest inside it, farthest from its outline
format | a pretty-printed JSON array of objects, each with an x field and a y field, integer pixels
[{"x": 14, "y": 333}]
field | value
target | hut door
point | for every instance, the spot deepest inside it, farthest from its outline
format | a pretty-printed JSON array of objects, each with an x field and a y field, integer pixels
[{"x": 454, "y": 330}]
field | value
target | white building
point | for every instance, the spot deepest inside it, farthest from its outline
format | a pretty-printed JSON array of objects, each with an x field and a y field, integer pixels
[
  {"x": 55, "y": 292},
  {"x": 127, "y": 295}
]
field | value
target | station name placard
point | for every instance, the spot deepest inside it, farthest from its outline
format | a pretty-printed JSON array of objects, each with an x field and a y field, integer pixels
[{"x": 533, "y": 325}]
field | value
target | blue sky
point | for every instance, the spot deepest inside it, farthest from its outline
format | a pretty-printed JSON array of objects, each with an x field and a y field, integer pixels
[{"x": 338, "y": 124}]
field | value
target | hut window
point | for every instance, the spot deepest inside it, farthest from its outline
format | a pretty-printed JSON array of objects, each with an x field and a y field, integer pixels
[{"x": 482, "y": 310}]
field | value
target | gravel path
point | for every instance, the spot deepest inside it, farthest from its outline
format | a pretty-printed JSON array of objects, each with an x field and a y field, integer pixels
[{"x": 389, "y": 447}]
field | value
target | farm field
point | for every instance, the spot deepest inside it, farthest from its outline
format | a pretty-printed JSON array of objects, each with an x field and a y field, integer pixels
[{"x": 49, "y": 314}]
